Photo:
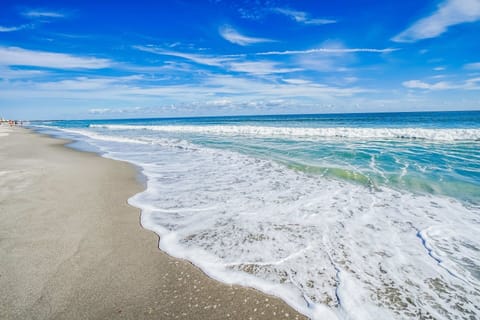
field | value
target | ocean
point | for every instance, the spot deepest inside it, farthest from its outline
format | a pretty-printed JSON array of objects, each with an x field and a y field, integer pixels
[{"x": 343, "y": 216}]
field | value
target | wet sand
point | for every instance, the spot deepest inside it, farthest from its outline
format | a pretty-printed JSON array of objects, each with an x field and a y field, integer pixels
[{"x": 72, "y": 248}]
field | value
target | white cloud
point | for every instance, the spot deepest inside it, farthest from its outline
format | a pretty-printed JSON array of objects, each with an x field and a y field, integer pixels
[
  {"x": 321, "y": 63},
  {"x": 350, "y": 79},
  {"x": 472, "y": 84},
  {"x": 219, "y": 102},
  {"x": 78, "y": 84},
  {"x": 240, "y": 63},
  {"x": 42, "y": 14},
  {"x": 266, "y": 90},
  {"x": 472, "y": 66},
  {"x": 328, "y": 50},
  {"x": 99, "y": 110},
  {"x": 468, "y": 84},
  {"x": 449, "y": 13},
  {"x": 296, "y": 81},
  {"x": 115, "y": 111},
  {"x": 439, "y": 68},
  {"x": 90, "y": 84},
  {"x": 8, "y": 73},
  {"x": 233, "y": 36},
  {"x": 11, "y": 29},
  {"x": 417, "y": 84},
  {"x": 218, "y": 89},
  {"x": 14, "y": 56},
  {"x": 230, "y": 63},
  {"x": 197, "y": 58},
  {"x": 302, "y": 17}
]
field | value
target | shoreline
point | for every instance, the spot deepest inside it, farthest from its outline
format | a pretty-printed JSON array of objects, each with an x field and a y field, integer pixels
[{"x": 72, "y": 247}]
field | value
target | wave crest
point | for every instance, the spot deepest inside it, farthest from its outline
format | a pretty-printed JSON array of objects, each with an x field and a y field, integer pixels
[{"x": 453, "y": 134}]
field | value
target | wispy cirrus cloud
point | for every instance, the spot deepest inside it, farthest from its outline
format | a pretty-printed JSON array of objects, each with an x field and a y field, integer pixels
[
  {"x": 38, "y": 13},
  {"x": 302, "y": 17},
  {"x": 229, "y": 84},
  {"x": 14, "y": 28},
  {"x": 96, "y": 91},
  {"x": 197, "y": 58},
  {"x": 39, "y": 16},
  {"x": 418, "y": 84},
  {"x": 80, "y": 84},
  {"x": 321, "y": 59},
  {"x": 230, "y": 63},
  {"x": 99, "y": 110},
  {"x": 472, "y": 66},
  {"x": 472, "y": 84},
  {"x": 9, "y": 73},
  {"x": 328, "y": 50},
  {"x": 449, "y": 13},
  {"x": 102, "y": 111},
  {"x": 468, "y": 84},
  {"x": 233, "y": 36},
  {"x": 296, "y": 81},
  {"x": 15, "y": 56}
]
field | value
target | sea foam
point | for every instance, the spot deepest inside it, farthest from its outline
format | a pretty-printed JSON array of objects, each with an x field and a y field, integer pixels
[
  {"x": 330, "y": 248},
  {"x": 320, "y": 244}
]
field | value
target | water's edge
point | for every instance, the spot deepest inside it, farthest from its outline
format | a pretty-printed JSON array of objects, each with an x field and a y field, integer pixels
[
  {"x": 328, "y": 246},
  {"x": 142, "y": 179}
]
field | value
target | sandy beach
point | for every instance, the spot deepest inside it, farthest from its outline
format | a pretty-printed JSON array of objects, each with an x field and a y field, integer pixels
[{"x": 72, "y": 248}]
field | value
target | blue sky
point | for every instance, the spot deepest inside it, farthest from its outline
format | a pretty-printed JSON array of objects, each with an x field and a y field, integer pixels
[{"x": 82, "y": 59}]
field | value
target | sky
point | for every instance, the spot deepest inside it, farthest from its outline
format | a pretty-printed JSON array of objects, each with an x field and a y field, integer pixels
[{"x": 110, "y": 59}]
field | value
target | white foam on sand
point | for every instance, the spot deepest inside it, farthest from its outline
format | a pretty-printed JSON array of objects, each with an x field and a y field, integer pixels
[
  {"x": 331, "y": 249},
  {"x": 97, "y": 136}
]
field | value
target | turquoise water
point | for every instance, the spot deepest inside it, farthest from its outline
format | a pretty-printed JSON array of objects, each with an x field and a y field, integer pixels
[
  {"x": 342, "y": 216},
  {"x": 445, "y": 162}
]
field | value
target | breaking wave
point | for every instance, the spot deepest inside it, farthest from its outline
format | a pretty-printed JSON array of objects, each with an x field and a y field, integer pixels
[{"x": 450, "y": 134}]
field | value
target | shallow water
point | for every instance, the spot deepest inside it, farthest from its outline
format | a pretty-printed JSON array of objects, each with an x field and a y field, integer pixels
[{"x": 342, "y": 216}]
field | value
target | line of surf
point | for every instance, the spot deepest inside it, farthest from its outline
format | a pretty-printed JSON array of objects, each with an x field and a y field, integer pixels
[{"x": 444, "y": 134}]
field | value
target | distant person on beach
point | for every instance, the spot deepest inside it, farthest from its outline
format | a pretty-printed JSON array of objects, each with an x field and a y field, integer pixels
[{"x": 13, "y": 123}]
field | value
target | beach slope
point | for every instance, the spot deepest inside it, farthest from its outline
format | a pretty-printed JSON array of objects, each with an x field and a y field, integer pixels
[{"x": 72, "y": 248}]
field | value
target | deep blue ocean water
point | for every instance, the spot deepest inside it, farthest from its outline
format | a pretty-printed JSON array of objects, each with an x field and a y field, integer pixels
[{"x": 342, "y": 216}]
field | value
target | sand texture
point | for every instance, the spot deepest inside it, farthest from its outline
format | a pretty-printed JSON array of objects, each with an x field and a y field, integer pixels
[{"x": 72, "y": 248}]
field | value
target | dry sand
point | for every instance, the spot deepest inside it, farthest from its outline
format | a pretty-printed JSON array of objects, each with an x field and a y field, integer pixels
[{"x": 72, "y": 248}]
